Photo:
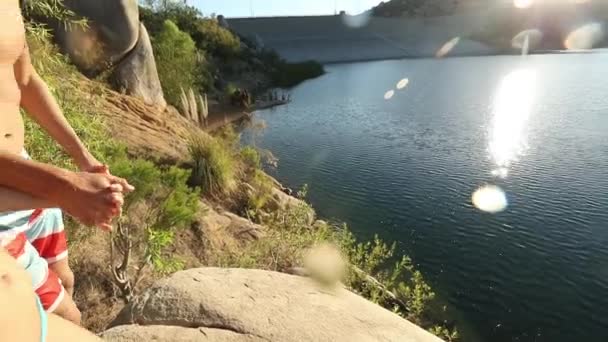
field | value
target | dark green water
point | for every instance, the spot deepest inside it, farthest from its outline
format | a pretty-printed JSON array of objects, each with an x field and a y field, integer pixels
[{"x": 405, "y": 168}]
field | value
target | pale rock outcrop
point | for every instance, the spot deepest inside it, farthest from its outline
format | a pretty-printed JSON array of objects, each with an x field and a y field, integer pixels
[
  {"x": 137, "y": 333},
  {"x": 214, "y": 304},
  {"x": 282, "y": 201},
  {"x": 136, "y": 74},
  {"x": 224, "y": 229}
]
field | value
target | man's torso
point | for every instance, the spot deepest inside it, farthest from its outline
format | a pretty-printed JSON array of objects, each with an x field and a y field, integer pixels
[{"x": 12, "y": 43}]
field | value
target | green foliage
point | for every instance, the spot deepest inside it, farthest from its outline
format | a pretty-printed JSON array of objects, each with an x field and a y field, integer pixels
[
  {"x": 288, "y": 237},
  {"x": 260, "y": 193},
  {"x": 230, "y": 90},
  {"x": 160, "y": 204},
  {"x": 408, "y": 293},
  {"x": 445, "y": 333},
  {"x": 208, "y": 35},
  {"x": 83, "y": 113},
  {"x": 213, "y": 165},
  {"x": 251, "y": 158},
  {"x": 53, "y": 9},
  {"x": 218, "y": 41},
  {"x": 169, "y": 203},
  {"x": 176, "y": 61},
  {"x": 291, "y": 74}
]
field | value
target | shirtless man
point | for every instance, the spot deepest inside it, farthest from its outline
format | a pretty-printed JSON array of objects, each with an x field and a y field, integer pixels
[{"x": 35, "y": 237}]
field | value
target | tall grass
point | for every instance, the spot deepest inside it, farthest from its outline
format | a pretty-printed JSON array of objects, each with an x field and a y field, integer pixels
[{"x": 213, "y": 165}]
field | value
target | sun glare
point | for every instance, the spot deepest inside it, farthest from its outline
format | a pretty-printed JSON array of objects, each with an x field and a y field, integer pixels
[
  {"x": 512, "y": 107},
  {"x": 523, "y": 3}
]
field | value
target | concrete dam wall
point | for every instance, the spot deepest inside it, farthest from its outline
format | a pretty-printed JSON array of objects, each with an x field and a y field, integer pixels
[{"x": 340, "y": 38}]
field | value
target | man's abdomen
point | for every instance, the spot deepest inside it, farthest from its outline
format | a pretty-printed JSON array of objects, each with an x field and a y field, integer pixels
[{"x": 11, "y": 123}]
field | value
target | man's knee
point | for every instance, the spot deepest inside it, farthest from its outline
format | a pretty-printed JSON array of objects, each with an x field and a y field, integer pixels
[
  {"x": 67, "y": 280},
  {"x": 63, "y": 271},
  {"x": 68, "y": 310}
]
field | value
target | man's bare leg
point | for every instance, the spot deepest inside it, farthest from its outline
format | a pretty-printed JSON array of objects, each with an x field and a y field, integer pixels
[
  {"x": 64, "y": 272},
  {"x": 68, "y": 310}
]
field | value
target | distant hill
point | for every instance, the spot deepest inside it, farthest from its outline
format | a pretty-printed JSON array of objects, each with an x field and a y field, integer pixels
[{"x": 555, "y": 19}]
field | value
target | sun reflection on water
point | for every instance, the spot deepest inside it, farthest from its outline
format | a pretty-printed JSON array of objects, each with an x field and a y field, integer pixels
[{"x": 511, "y": 110}]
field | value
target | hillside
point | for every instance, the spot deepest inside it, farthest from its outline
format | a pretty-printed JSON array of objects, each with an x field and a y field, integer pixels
[
  {"x": 555, "y": 19},
  {"x": 203, "y": 201}
]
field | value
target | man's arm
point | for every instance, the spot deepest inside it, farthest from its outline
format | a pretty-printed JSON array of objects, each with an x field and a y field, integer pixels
[
  {"x": 94, "y": 199},
  {"x": 40, "y": 104},
  {"x": 15, "y": 200}
]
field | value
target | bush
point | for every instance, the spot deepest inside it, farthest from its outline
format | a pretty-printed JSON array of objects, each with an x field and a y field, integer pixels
[
  {"x": 213, "y": 165},
  {"x": 161, "y": 204},
  {"x": 251, "y": 157},
  {"x": 176, "y": 60},
  {"x": 259, "y": 195},
  {"x": 218, "y": 41},
  {"x": 291, "y": 74},
  {"x": 208, "y": 35}
]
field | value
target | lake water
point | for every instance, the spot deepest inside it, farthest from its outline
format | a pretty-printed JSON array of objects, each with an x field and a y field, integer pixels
[{"x": 406, "y": 167}]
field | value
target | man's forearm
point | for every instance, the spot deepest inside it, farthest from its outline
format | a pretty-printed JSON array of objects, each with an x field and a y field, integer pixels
[
  {"x": 41, "y": 181},
  {"x": 40, "y": 104},
  {"x": 13, "y": 200}
]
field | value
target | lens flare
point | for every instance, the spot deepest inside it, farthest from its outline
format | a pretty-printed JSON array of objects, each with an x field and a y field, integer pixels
[
  {"x": 585, "y": 37},
  {"x": 447, "y": 47},
  {"x": 403, "y": 83},
  {"x": 389, "y": 94},
  {"x": 490, "y": 199},
  {"x": 523, "y": 3},
  {"x": 325, "y": 264},
  {"x": 356, "y": 21},
  {"x": 530, "y": 38}
]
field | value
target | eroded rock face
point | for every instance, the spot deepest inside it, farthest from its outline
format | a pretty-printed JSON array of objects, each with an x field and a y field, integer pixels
[
  {"x": 255, "y": 305},
  {"x": 113, "y": 31},
  {"x": 136, "y": 74}
]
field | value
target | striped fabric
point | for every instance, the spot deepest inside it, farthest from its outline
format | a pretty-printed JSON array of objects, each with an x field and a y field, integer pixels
[{"x": 36, "y": 238}]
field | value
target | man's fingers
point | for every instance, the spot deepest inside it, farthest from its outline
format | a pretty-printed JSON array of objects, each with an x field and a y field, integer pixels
[
  {"x": 126, "y": 186},
  {"x": 116, "y": 187},
  {"x": 116, "y": 198},
  {"x": 106, "y": 227}
]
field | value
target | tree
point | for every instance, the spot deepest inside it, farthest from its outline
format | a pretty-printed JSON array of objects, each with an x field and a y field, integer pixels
[{"x": 176, "y": 61}]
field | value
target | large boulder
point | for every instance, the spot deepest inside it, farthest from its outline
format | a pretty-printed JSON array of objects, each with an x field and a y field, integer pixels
[
  {"x": 112, "y": 31},
  {"x": 132, "y": 333},
  {"x": 136, "y": 74},
  {"x": 253, "y": 305}
]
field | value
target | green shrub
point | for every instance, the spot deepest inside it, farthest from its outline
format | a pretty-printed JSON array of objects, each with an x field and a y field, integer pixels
[
  {"x": 251, "y": 157},
  {"x": 260, "y": 194},
  {"x": 176, "y": 60},
  {"x": 291, "y": 74},
  {"x": 208, "y": 35},
  {"x": 213, "y": 165},
  {"x": 218, "y": 41},
  {"x": 160, "y": 204}
]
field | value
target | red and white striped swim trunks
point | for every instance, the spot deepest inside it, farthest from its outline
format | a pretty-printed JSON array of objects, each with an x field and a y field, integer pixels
[{"x": 36, "y": 239}]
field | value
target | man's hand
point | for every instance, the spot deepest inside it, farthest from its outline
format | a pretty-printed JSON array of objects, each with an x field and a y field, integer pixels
[
  {"x": 92, "y": 165},
  {"x": 94, "y": 199}
]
